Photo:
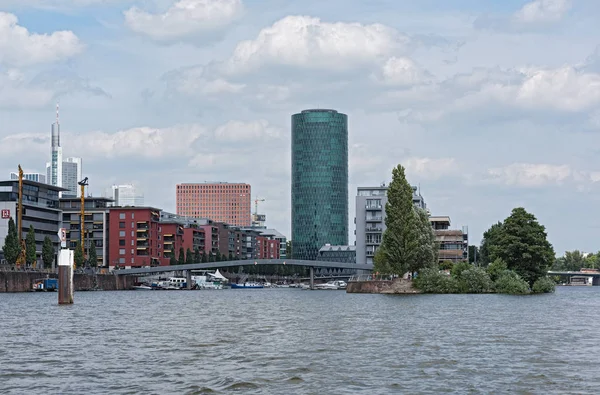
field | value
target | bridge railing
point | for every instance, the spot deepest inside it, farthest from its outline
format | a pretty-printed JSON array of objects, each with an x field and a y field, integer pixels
[{"x": 370, "y": 277}]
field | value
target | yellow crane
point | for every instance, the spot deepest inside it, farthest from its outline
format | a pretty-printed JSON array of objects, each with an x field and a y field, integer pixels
[
  {"x": 82, "y": 184},
  {"x": 21, "y": 257},
  {"x": 256, "y": 205}
]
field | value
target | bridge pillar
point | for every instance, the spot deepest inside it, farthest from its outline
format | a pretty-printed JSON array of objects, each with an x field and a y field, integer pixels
[
  {"x": 312, "y": 277},
  {"x": 188, "y": 279}
]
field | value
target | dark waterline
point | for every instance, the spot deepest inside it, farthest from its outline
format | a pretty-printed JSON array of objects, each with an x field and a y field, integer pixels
[{"x": 284, "y": 341}]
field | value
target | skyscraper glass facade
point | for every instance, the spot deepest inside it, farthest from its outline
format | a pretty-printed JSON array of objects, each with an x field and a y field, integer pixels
[{"x": 319, "y": 181}]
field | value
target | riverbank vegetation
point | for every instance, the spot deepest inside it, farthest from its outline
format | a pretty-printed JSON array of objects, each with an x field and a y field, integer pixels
[{"x": 517, "y": 256}]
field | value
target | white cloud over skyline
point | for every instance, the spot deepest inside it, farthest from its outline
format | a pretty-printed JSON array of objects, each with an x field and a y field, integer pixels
[{"x": 495, "y": 107}]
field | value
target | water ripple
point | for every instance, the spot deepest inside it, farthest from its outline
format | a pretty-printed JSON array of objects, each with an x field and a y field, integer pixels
[{"x": 292, "y": 341}]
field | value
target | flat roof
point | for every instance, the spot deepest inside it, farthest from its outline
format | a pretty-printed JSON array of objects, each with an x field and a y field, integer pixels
[
  {"x": 135, "y": 208},
  {"x": 77, "y": 199},
  {"x": 34, "y": 183}
]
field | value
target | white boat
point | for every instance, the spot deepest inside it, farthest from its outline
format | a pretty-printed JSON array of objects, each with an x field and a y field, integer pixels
[
  {"x": 332, "y": 285},
  {"x": 142, "y": 287}
]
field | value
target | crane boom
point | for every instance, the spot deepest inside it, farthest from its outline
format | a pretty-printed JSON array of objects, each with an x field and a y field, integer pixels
[
  {"x": 83, "y": 183},
  {"x": 21, "y": 257}
]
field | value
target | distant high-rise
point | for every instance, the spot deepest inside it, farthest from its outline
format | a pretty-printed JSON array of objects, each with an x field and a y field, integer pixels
[
  {"x": 37, "y": 177},
  {"x": 319, "y": 181},
  {"x": 126, "y": 195},
  {"x": 55, "y": 173},
  {"x": 221, "y": 202},
  {"x": 71, "y": 175}
]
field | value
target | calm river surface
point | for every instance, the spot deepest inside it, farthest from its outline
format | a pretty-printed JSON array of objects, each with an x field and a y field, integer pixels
[{"x": 289, "y": 341}]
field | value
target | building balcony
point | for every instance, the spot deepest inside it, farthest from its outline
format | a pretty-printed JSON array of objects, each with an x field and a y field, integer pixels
[
  {"x": 142, "y": 230},
  {"x": 143, "y": 244},
  {"x": 374, "y": 229},
  {"x": 374, "y": 219},
  {"x": 168, "y": 242},
  {"x": 140, "y": 248},
  {"x": 370, "y": 253},
  {"x": 373, "y": 242},
  {"x": 374, "y": 207},
  {"x": 142, "y": 238},
  {"x": 142, "y": 225}
]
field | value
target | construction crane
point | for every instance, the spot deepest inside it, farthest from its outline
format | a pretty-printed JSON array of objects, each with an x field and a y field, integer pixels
[
  {"x": 21, "y": 258},
  {"x": 255, "y": 216},
  {"x": 82, "y": 184}
]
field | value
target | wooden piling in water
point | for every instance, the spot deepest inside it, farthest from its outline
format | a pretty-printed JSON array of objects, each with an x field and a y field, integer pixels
[{"x": 65, "y": 276}]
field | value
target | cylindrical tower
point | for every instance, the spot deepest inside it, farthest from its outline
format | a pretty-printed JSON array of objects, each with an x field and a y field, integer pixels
[{"x": 319, "y": 181}]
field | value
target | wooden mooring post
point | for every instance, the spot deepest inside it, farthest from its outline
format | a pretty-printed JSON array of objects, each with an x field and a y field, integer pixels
[{"x": 65, "y": 276}]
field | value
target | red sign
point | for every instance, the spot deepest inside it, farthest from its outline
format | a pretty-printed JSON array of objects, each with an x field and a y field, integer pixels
[{"x": 5, "y": 214}]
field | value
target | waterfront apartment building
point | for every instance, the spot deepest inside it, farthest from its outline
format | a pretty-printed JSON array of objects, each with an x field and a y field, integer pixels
[
  {"x": 224, "y": 202},
  {"x": 267, "y": 248},
  {"x": 135, "y": 235},
  {"x": 40, "y": 209},
  {"x": 274, "y": 234},
  {"x": 319, "y": 181},
  {"x": 454, "y": 243},
  {"x": 370, "y": 219},
  {"x": 37, "y": 177},
  {"x": 96, "y": 225},
  {"x": 126, "y": 195}
]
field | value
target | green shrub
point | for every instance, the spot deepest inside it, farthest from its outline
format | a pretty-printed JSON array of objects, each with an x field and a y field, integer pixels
[
  {"x": 496, "y": 268},
  {"x": 543, "y": 285},
  {"x": 446, "y": 265},
  {"x": 510, "y": 282},
  {"x": 475, "y": 280},
  {"x": 432, "y": 281},
  {"x": 460, "y": 267}
]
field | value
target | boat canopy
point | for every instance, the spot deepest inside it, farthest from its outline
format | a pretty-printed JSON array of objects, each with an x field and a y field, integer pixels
[{"x": 218, "y": 275}]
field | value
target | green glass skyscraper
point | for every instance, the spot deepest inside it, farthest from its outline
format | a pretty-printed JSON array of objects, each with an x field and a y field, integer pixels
[{"x": 319, "y": 181}]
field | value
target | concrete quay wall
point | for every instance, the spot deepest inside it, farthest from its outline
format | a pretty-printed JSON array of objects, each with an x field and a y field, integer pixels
[{"x": 23, "y": 281}]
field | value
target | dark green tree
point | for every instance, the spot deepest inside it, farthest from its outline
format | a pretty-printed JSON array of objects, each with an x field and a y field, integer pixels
[
  {"x": 11, "y": 246},
  {"x": 524, "y": 246},
  {"x": 218, "y": 257},
  {"x": 189, "y": 256},
  {"x": 474, "y": 255},
  {"x": 197, "y": 256},
  {"x": 288, "y": 249},
  {"x": 181, "y": 260},
  {"x": 204, "y": 257},
  {"x": 78, "y": 257},
  {"x": 402, "y": 239},
  {"x": 427, "y": 252},
  {"x": 92, "y": 256},
  {"x": 211, "y": 257},
  {"x": 488, "y": 243},
  {"x": 47, "y": 252},
  {"x": 231, "y": 256},
  {"x": 172, "y": 260},
  {"x": 30, "y": 253}
]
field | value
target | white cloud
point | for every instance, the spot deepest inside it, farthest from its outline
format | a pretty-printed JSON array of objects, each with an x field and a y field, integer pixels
[
  {"x": 16, "y": 93},
  {"x": 310, "y": 43},
  {"x": 253, "y": 131},
  {"x": 402, "y": 71},
  {"x": 20, "y": 47},
  {"x": 564, "y": 89},
  {"x": 431, "y": 168},
  {"x": 184, "y": 18},
  {"x": 543, "y": 11},
  {"x": 530, "y": 175},
  {"x": 191, "y": 81}
]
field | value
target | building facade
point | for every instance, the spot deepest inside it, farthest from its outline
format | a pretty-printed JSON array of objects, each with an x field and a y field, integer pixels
[
  {"x": 224, "y": 202},
  {"x": 54, "y": 167},
  {"x": 40, "y": 209},
  {"x": 454, "y": 243},
  {"x": 343, "y": 254},
  {"x": 96, "y": 225},
  {"x": 267, "y": 248},
  {"x": 135, "y": 234},
  {"x": 72, "y": 173},
  {"x": 126, "y": 195},
  {"x": 37, "y": 177},
  {"x": 370, "y": 219},
  {"x": 319, "y": 181}
]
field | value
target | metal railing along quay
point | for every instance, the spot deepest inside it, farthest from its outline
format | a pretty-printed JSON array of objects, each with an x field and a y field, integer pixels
[{"x": 370, "y": 277}]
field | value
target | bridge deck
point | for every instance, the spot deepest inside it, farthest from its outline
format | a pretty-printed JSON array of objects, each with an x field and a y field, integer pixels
[{"x": 248, "y": 262}]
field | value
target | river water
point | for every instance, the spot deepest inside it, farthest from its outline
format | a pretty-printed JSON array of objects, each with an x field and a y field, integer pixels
[{"x": 290, "y": 341}]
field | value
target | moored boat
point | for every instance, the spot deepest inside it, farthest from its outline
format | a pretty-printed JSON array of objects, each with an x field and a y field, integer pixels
[{"x": 247, "y": 285}]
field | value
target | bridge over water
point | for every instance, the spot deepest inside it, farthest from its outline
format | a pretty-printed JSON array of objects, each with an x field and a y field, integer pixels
[
  {"x": 247, "y": 262},
  {"x": 570, "y": 275}
]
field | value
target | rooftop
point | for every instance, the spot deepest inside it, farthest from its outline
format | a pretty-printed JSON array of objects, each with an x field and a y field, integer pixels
[
  {"x": 318, "y": 110},
  {"x": 33, "y": 183}
]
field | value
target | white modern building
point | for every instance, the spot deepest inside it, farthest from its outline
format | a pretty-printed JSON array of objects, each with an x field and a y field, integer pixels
[
  {"x": 370, "y": 219},
  {"x": 126, "y": 195},
  {"x": 71, "y": 174},
  {"x": 54, "y": 168},
  {"x": 37, "y": 177}
]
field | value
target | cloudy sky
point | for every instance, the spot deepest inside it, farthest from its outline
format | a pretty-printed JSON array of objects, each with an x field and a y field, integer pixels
[{"x": 488, "y": 104}]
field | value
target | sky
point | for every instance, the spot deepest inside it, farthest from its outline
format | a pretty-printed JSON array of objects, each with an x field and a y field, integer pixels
[{"x": 489, "y": 105}]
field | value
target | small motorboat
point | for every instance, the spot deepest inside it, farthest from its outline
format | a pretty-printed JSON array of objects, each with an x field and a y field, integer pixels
[{"x": 247, "y": 285}]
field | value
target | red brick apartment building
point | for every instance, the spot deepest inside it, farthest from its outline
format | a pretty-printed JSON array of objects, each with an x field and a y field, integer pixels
[
  {"x": 267, "y": 248},
  {"x": 224, "y": 202},
  {"x": 134, "y": 236}
]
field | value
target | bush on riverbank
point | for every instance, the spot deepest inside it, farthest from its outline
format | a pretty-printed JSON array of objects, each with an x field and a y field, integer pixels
[{"x": 465, "y": 278}]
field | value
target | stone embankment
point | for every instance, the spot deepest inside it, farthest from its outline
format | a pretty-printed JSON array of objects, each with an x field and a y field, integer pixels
[
  {"x": 23, "y": 281},
  {"x": 397, "y": 286}
]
